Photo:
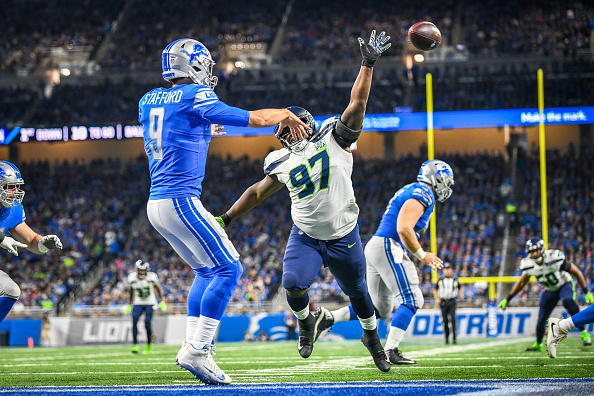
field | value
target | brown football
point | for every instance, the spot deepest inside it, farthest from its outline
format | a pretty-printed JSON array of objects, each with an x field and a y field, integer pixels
[{"x": 424, "y": 35}]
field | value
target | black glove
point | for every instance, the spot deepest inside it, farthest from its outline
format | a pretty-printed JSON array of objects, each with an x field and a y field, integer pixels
[{"x": 376, "y": 46}]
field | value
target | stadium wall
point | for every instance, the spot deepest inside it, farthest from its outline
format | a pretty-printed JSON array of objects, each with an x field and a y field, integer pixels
[
  {"x": 370, "y": 145},
  {"x": 170, "y": 329}
]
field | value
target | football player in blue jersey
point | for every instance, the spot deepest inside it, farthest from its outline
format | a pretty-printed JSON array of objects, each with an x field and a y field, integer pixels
[
  {"x": 317, "y": 172},
  {"x": 390, "y": 272},
  {"x": 178, "y": 124},
  {"x": 12, "y": 219}
]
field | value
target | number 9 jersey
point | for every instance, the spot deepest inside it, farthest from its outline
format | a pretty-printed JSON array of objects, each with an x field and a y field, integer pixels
[
  {"x": 319, "y": 183},
  {"x": 177, "y": 131},
  {"x": 552, "y": 273},
  {"x": 144, "y": 288}
]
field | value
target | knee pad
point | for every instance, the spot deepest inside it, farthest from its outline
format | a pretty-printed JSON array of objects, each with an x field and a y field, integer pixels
[
  {"x": 290, "y": 281},
  {"x": 8, "y": 288},
  {"x": 385, "y": 310},
  {"x": 228, "y": 277}
]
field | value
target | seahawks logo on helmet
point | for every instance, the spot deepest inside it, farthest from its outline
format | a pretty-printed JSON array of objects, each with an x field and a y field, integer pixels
[
  {"x": 142, "y": 268},
  {"x": 534, "y": 245}
]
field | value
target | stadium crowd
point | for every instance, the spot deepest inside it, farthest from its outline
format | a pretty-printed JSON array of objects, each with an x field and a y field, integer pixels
[{"x": 85, "y": 204}]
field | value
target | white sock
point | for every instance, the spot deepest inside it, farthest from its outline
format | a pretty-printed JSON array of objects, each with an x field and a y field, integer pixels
[
  {"x": 369, "y": 323},
  {"x": 191, "y": 324},
  {"x": 341, "y": 315},
  {"x": 303, "y": 314},
  {"x": 205, "y": 332},
  {"x": 394, "y": 337},
  {"x": 567, "y": 325}
]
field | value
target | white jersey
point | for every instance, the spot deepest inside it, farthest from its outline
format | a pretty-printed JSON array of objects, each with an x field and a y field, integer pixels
[
  {"x": 319, "y": 182},
  {"x": 144, "y": 289},
  {"x": 554, "y": 271}
]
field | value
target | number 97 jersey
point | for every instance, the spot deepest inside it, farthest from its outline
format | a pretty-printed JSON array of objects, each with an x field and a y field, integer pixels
[
  {"x": 552, "y": 273},
  {"x": 319, "y": 183},
  {"x": 144, "y": 289}
]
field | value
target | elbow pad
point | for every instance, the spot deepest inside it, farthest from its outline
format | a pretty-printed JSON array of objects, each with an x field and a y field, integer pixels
[{"x": 345, "y": 133}]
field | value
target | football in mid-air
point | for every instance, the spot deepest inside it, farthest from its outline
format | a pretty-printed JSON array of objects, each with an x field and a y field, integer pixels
[{"x": 425, "y": 36}]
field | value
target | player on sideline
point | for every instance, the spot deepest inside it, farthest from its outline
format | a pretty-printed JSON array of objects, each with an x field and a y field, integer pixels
[
  {"x": 178, "y": 124},
  {"x": 317, "y": 172},
  {"x": 143, "y": 285},
  {"x": 12, "y": 218},
  {"x": 390, "y": 272},
  {"x": 558, "y": 329},
  {"x": 553, "y": 271}
]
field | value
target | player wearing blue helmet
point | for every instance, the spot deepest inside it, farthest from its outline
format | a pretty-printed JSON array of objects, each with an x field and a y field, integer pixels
[
  {"x": 554, "y": 272},
  {"x": 317, "y": 172},
  {"x": 390, "y": 272},
  {"x": 12, "y": 220},
  {"x": 178, "y": 124}
]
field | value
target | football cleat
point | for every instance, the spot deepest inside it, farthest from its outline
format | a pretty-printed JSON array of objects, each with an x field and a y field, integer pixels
[
  {"x": 134, "y": 348},
  {"x": 586, "y": 339},
  {"x": 373, "y": 344},
  {"x": 183, "y": 348},
  {"x": 555, "y": 335},
  {"x": 200, "y": 363},
  {"x": 395, "y": 357},
  {"x": 536, "y": 347},
  {"x": 306, "y": 336},
  {"x": 324, "y": 320},
  {"x": 148, "y": 350}
]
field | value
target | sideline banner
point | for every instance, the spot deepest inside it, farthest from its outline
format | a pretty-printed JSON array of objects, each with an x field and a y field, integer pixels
[{"x": 170, "y": 329}]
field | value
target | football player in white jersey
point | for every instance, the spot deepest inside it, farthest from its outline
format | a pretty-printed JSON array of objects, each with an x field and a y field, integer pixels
[
  {"x": 553, "y": 271},
  {"x": 317, "y": 172},
  {"x": 143, "y": 286}
]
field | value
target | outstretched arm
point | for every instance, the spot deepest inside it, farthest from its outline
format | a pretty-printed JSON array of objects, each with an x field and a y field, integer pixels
[
  {"x": 251, "y": 197},
  {"x": 352, "y": 117},
  {"x": 35, "y": 242}
]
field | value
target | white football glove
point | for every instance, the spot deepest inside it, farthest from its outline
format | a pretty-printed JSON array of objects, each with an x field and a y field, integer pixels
[
  {"x": 11, "y": 245},
  {"x": 49, "y": 242}
]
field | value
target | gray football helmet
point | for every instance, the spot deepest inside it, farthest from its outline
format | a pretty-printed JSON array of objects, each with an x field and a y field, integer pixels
[
  {"x": 438, "y": 174},
  {"x": 10, "y": 180},
  {"x": 189, "y": 58}
]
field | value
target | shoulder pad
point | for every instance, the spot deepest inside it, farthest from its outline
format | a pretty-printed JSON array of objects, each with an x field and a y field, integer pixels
[
  {"x": 275, "y": 159},
  {"x": 203, "y": 95}
]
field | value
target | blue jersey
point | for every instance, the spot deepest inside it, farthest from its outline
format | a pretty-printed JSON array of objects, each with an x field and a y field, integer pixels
[
  {"x": 176, "y": 126},
  {"x": 419, "y": 191},
  {"x": 11, "y": 217}
]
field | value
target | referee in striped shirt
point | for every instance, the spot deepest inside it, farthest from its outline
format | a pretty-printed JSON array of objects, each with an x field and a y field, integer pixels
[{"x": 445, "y": 293}]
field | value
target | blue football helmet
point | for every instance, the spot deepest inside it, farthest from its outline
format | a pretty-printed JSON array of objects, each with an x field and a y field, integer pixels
[
  {"x": 189, "y": 58},
  {"x": 535, "y": 245},
  {"x": 10, "y": 180},
  {"x": 285, "y": 136},
  {"x": 142, "y": 268},
  {"x": 438, "y": 174}
]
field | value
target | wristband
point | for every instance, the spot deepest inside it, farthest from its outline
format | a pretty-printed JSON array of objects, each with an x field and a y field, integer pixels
[
  {"x": 226, "y": 219},
  {"x": 367, "y": 62},
  {"x": 508, "y": 298},
  {"x": 420, "y": 254},
  {"x": 585, "y": 290},
  {"x": 42, "y": 248}
]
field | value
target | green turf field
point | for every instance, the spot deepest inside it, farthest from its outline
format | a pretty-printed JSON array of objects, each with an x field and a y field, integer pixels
[{"x": 280, "y": 362}]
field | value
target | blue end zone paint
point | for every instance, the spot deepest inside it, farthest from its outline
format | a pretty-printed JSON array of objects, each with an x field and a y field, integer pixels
[{"x": 558, "y": 387}]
